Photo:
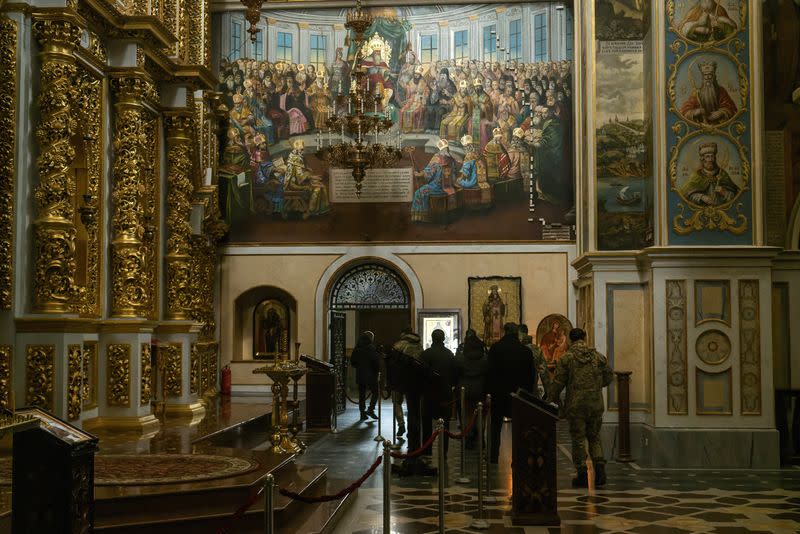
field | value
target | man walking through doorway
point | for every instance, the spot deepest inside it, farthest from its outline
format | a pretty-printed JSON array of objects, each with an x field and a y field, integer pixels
[{"x": 365, "y": 360}]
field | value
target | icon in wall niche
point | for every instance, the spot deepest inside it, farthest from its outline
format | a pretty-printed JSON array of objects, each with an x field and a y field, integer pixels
[
  {"x": 709, "y": 173},
  {"x": 709, "y": 89},
  {"x": 552, "y": 336},
  {"x": 707, "y": 21},
  {"x": 494, "y": 301}
]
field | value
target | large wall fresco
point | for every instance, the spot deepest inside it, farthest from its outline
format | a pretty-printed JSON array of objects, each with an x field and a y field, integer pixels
[
  {"x": 482, "y": 101},
  {"x": 623, "y": 127},
  {"x": 708, "y": 123}
]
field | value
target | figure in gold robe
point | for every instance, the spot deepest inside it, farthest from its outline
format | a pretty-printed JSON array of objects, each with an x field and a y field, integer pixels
[
  {"x": 412, "y": 114},
  {"x": 455, "y": 122},
  {"x": 298, "y": 179},
  {"x": 496, "y": 156}
]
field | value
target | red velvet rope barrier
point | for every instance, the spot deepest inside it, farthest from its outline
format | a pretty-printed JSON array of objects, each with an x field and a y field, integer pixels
[
  {"x": 346, "y": 491},
  {"x": 241, "y": 511},
  {"x": 419, "y": 451},
  {"x": 466, "y": 430}
]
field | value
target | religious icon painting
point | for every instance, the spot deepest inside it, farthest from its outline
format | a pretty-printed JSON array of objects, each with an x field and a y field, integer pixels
[
  {"x": 709, "y": 172},
  {"x": 270, "y": 330},
  {"x": 709, "y": 89},
  {"x": 494, "y": 301},
  {"x": 552, "y": 336},
  {"x": 707, "y": 21}
]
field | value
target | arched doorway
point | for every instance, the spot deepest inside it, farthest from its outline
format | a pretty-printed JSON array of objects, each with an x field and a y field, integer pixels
[{"x": 365, "y": 295}]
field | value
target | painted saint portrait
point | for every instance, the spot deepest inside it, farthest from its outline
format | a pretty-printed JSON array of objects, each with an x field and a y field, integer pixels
[
  {"x": 552, "y": 336},
  {"x": 476, "y": 124},
  {"x": 493, "y": 302},
  {"x": 706, "y": 21},
  {"x": 710, "y": 172},
  {"x": 270, "y": 330},
  {"x": 708, "y": 89}
]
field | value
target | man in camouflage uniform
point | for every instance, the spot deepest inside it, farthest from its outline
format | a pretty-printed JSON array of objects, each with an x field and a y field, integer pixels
[
  {"x": 538, "y": 359},
  {"x": 584, "y": 372}
]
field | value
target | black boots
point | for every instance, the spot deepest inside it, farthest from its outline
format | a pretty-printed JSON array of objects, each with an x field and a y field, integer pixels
[
  {"x": 599, "y": 474},
  {"x": 581, "y": 481}
]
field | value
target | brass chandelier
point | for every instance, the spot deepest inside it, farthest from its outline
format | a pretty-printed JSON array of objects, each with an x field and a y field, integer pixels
[{"x": 362, "y": 119}]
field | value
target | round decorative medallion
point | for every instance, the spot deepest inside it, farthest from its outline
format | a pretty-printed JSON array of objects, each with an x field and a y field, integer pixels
[{"x": 713, "y": 347}]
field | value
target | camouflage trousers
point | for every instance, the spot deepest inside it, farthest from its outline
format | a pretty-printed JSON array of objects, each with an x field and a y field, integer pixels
[{"x": 581, "y": 430}]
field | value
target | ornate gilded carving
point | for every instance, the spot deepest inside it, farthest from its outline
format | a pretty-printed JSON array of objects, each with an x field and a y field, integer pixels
[
  {"x": 131, "y": 284},
  {"x": 8, "y": 125},
  {"x": 195, "y": 357},
  {"x": 212, "y": 354},
  {"x": 54, "y": 287},
  {"x": 74, "y": 382},
  {"x": 89, "y": 112},
  {"x": 750, "y": 346},
  {"x": 152, "y": 211},
  {"x": 179, "y": 200},
  {"x": 6, "y": 355},
  {"x": 89, "y": 375},
  {"x": 118, "y": 372},
  {"x": 147, "y": 375},
  {"x": 40, "y": 376},
  {"x": 173, "y": 353},
  {"x": 677, "y": 367},
  {"x": 170, "y": 16}
]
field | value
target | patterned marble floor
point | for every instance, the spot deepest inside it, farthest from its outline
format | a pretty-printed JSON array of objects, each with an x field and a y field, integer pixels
[{"x": 637, "y": 500}]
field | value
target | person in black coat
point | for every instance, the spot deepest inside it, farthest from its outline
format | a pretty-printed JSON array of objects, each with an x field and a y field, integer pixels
[
  {"x": 471, "y": 356},
  {"x": 365, "y": 359},
  {"x": 510, "y": 368},
  {"x": 442, "y": 362}
]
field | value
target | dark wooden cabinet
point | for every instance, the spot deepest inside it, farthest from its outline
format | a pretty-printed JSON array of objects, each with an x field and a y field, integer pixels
[
  {"x": 53, "y": 477},
  {"x": 533, "y": 461},
  {"x": 320, "y": 392}
]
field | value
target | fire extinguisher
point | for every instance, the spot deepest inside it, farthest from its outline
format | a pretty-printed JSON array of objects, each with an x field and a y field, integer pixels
[{"x": 226, "y": 380}]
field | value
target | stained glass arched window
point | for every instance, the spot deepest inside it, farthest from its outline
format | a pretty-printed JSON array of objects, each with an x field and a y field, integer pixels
[{"x": 370, "y": 287}]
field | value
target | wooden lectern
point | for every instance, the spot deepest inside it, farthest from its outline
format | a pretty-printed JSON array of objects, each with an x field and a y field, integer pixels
[
  {"x": 320, "y": 392},
  {"x": 533, "y": 461},
  {"x": 53, "y": 477}
]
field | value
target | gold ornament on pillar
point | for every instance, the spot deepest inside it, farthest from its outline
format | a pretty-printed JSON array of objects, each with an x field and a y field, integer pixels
[
  {"x": 173, "y": 372},
  {"x": 74, "y": 385},
  {"x": 6, "y": 353},
  {"x": 179, "y": 202},
  {"x": 130, "y": 273},
  {"x": 118, "y": 372},
  {"x": 8, "y": 125},
  {"x": 40, "y": 376},
  {"x": 54, "y": 285},
  {"x": 147, "y": 373},
  {"x": 194, "y": 369}
]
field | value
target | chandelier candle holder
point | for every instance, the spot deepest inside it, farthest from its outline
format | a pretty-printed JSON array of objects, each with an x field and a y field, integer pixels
[{"x": 363, "y": 120}]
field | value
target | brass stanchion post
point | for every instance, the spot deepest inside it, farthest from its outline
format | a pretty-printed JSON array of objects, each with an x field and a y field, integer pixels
[
  {"x": 379, "y": 437},
  {"x": 463, "y": 479},
  {"x": 442, "y": 472},
  {"x": 269, "y": 504},
  {"x": 387, "y": 488},
  {"x": 489, "y": 497},
  {"x": 479, "y": 522}
]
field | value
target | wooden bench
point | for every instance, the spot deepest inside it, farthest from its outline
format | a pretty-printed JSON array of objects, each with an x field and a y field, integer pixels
[{"x": 476, "y": 199}]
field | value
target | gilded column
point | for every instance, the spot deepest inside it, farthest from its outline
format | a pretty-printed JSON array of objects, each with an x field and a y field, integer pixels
[
  {"x": 6, "y": 354},
  {"x": 54, "y": 286},
  {"x": 179, "y": 200},
  {"x": 130, "y": 275},
  {"x": 8, "y": 125}
]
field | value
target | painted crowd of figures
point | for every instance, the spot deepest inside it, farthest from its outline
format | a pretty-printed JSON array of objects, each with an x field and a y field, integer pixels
[{"x": 501, "y": 113}]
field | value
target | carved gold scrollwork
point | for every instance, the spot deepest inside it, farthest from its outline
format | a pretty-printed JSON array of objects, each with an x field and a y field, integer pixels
[
  {"x": 40, "y": 376},
  {"x": 709, "y": 218},
  {"x": 173, "y": 353},
  {"x": 55, "y": 288},
  {"x": 212, "y": 355},
  {"x": 118, "y": 373},
  {"x": 74, "y": 382},
  {"x": 194, "y": 369},
  {"x": 6, "y": 355},
  {"x": 147, "y": 375},
  {"x": 131, "y": 276},
  {"x": 179, "y": 200},
  {"x": 89, "y": 375},
  {"x": 750, "y": 346},
  {"x": 677, "y": 366},
  {"x": 8, "y": 125}
]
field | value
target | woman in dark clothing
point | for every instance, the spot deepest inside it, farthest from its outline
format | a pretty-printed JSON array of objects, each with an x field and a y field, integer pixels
[
  {"x": 474, "y": 365},
  {"x": 365, "y": 360}
]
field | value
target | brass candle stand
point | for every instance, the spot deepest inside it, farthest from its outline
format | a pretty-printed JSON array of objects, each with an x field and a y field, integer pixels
[{"x": 281, "y": 371}]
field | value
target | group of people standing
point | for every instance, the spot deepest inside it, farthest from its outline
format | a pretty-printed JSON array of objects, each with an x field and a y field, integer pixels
[{"x": 513, "y": 362}]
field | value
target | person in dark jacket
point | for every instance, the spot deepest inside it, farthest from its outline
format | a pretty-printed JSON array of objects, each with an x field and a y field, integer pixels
[
  {"x": 510, "y": 368},
  {"x": 365, "y": 360},
  {"x": 471, "y": 357},
  {"x": 443, "y": 362}
]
